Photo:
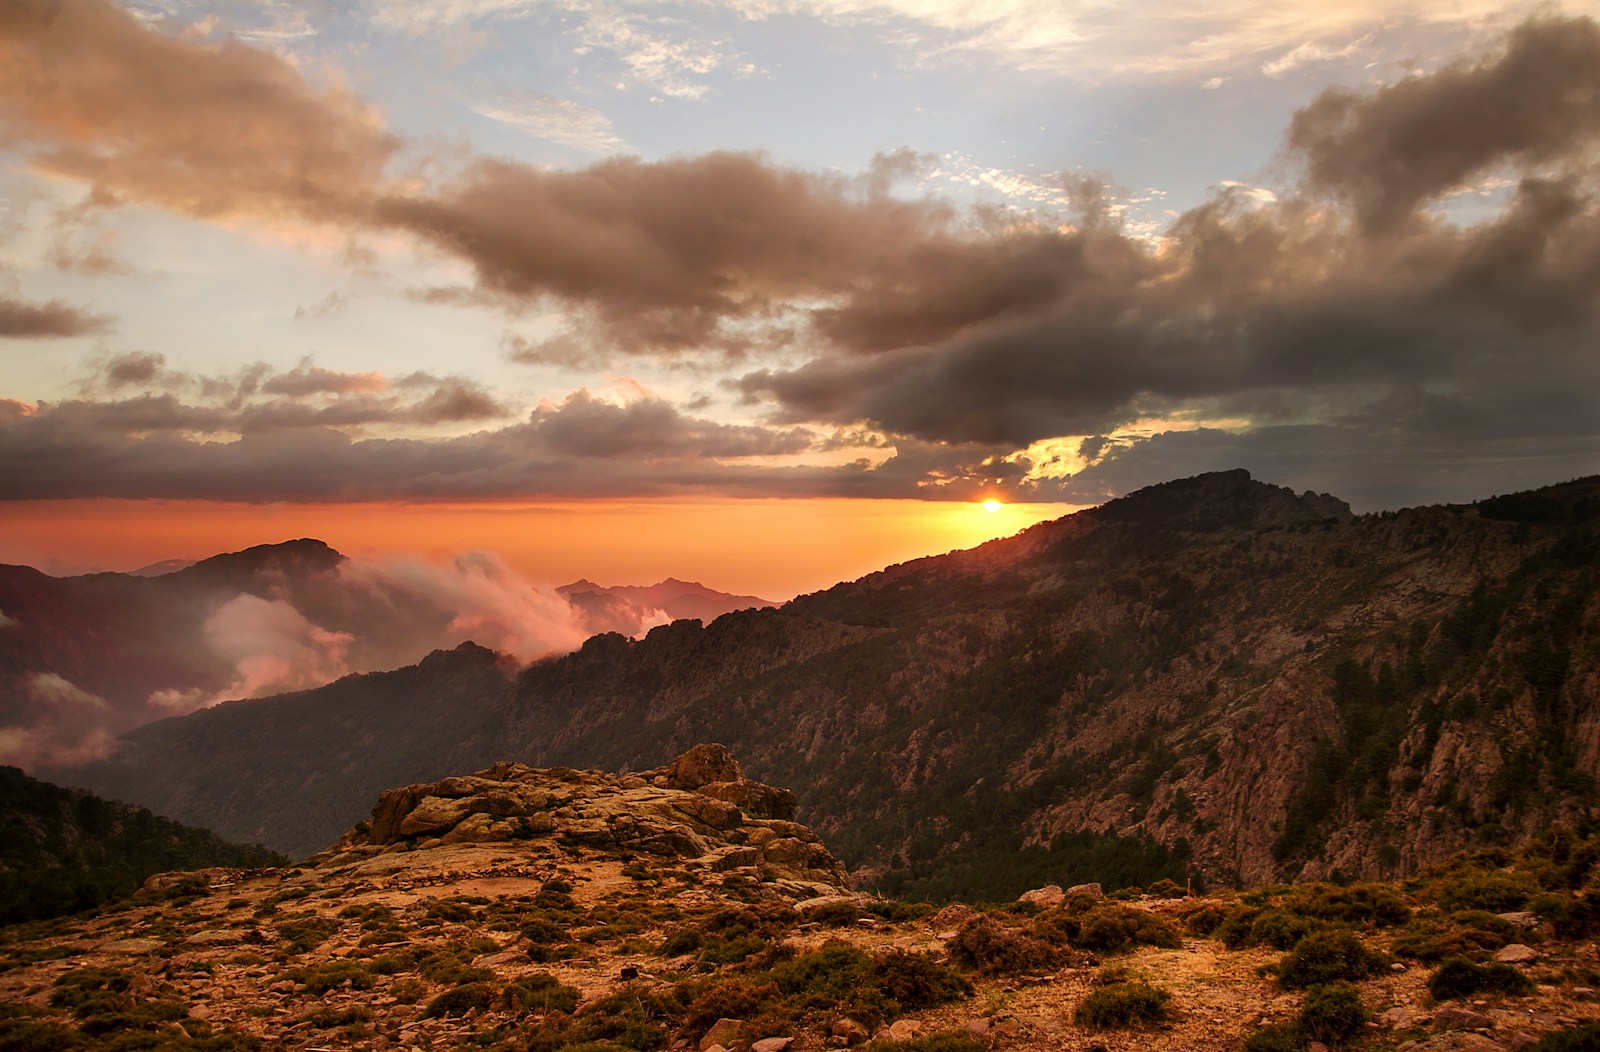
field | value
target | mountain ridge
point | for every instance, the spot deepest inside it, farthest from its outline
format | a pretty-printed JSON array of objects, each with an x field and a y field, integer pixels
[{"x": 1319, "y": 695}]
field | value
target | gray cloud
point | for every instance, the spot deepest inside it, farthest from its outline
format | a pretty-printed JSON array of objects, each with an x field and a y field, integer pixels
[{"x": 24, "y": 320}]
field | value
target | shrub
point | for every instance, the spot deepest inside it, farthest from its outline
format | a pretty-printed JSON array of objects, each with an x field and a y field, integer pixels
[
  {"x": 835, "y": 915},
  {"x": 634, "y": 1017},
  {"x": 1571, "y": 917},
  {"x": 1459, "y": 977},
  {"x": 459, "y": 1001},
  {"x": 727, "y": 997},
  {"x": 321, "y": 978},
  {"x": 1111, "y": 927},
  {"x": 1281, "y": 929},
  {"x": 1469, "y": 933},
  {"x": 1205, "y": 918},
  {"x": 1279, "y": 1037},
  {"x": 1327, "y": 957},
  {"x": 539, "y": 992},
  {"x": 1134, "y": 1003},
  {"x": 1476, "y": 889},
  {"x": 1333, "y": 1015},
  {"x": 1582, "y": 1038},
  {"x": 307, "y": 933},
  {"x": 991, "y": 948}
]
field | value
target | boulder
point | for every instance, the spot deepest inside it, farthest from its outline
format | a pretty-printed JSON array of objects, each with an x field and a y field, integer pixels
[
  {"x": 723, "y": 1032},
  {"x": 1452, "y": 1017},
  {"x": 1092, "y": 890},
  {"x": 1047, "y": 896},
  {"x": 1516, "y": 953}
]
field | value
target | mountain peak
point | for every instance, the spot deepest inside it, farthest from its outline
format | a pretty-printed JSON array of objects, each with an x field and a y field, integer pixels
[
  {"x": 1219, "y": 500},
  {"x": 302, "y": 555}
]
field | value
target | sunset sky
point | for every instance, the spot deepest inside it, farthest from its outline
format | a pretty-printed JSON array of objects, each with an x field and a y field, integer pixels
[{"x": 771, "y": 293}]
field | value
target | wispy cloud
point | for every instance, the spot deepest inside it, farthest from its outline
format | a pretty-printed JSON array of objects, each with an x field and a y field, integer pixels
[{"x": 557, "y": 120}]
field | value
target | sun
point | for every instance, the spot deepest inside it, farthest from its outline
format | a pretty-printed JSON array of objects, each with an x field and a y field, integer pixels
[{"x": 991, "y": 506}]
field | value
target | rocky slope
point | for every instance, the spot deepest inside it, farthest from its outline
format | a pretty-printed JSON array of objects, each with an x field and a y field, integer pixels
[
  {"x": 1213, "y": 677},
  {"x": 521, "y": 909}
]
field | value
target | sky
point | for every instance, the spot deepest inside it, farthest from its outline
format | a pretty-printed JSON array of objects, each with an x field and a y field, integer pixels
[{"x": 772, "y": 293}]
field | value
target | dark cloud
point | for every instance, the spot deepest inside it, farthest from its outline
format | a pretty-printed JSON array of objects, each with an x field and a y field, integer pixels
[
  {"x": 308, "y": 378},
  {"x": 135, "y": 367},
  {"x": 1388, "y": 151},
  {"x": 24, "y": 320}
]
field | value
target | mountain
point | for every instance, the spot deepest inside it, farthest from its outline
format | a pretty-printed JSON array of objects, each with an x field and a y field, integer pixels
[
  {"x": 1214, "y": 677},
  {"x": 678, "y": 907},
  {"x": 631, "y": 609},
  {"x": 63, "y": 850}
]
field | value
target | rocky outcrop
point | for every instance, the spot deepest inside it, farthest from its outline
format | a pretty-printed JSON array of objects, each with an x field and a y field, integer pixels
[{"x": 700, "y": 808}]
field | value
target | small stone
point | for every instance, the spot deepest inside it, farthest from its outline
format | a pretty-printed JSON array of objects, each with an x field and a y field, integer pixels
[
  {"x": 1398, "y": 968},
  {"x": 1398, "y": 1018},
  {"x": 1452, "y": 1018},
  {"x": 848, "y": 1030},
  {"x": 1582, "y": 993},
  {"x": 1092, "y": 890},
  {"x": 1317, "y": 1046},
  {"x": 215, "y": 937},
  {"x": 906, "y": 1029},
  {"x": 1516, "y": 953},
  {"x": 1521, "y": 919},
  {"x": 978, "y": 1028},
  {"x": 722, "y": 1032},
  {"x": 772, "y": 1044}
]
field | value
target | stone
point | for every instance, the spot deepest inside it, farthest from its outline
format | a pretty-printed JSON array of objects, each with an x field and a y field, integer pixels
[
  {"x": 1518, "y": 1041},
  {"x": 772, "y": 1044},
  {"x": 1317, "y": 1046},
  {"x": 433, "y": 815},
  {"x": 754, "y": 798},
  {"x": 1521, "y": 919},
  {"x": 133, "y": 946},
  {"x": 978, "y": 1028},
  {"x": 906, "y": 1029},
  {"x": 1092, "y": 890},
  {"x": 1047, "y": 896},
  {"x": 951, "y": 917},
  {"x": 1399, "y": 1018},
  {"x": 1516, "y": 953},
  {"x": 848, "y": 1030},
  {"x": 702, "y": 765},
  {"x": 215, "y": 937},
  {"x": 723, "y": 1032},
  {"x": 1451, "y": 1017}
]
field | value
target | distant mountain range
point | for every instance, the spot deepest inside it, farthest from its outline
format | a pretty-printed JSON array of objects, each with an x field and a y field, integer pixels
[
  {"x": 1212, "y": 677},
  {"x": 85, "y": 658}
]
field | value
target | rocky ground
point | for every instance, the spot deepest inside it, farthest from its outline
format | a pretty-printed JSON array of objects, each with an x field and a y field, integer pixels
[{"x": 682, "y": 908}]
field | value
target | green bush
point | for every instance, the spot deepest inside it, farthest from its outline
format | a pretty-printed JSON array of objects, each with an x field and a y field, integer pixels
[
  {"x": 1333, "y": 1015},
  {"x": 1477, "y": 889},
  {"x": 1468, "y": 933},
  {"x": 1582, "y": 1038},
  {"x": 1110, "y": 928},
  {"x": 540, "y": 993},
  {"x": 1205, "y": 918},
  {"x": 1135, "y": 1003},
  {"x": 1571, "y": 917},
  {"x": 1278, "y": 1037},
  {"x": 1458, "y": 977},
  {"x": 460, "y": 1000},
  {"x": 319, "y": 979},
  {"x": 991, "y": 948},
  {"x": 1327, "y": 957}
]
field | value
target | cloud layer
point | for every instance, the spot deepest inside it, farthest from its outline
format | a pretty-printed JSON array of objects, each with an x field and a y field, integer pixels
[{"x": 1356, "y": 320}]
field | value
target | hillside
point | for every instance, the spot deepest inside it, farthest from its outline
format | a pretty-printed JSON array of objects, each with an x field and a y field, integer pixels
[
  {"x": 1213, "y": 677},
  {"x": 62, "y": 851},
  {"x": 528, "y": 910}
]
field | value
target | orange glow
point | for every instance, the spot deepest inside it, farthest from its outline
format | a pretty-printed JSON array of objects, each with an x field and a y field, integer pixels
[
  {"x": 992, "y": 506},
  {"x": 769, "y": 547}
]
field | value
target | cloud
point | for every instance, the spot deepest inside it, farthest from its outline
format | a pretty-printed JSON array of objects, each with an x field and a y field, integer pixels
[
  {"x": 56, "y": 722},
  {"x": 308, "y": 379},
  {"x": 1385, "y": 152},
  {"x": 558, "y": 120},
  {"x": 23, "y": 320},
  {"x": 135, "y": 367},
  {"x": 273, "y": 648},
  {"x": 51, "y": 689},
  {"x": 206, "y": 129}
]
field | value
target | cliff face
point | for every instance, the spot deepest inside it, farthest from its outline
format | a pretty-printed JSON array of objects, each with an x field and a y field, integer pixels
[{"x": 1213, "y": 676}]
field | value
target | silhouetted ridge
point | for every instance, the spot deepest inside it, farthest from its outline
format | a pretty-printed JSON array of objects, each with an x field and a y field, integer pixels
[
  {"x": 1220, "y": 500},
  {"x": 303, "y": 556}
]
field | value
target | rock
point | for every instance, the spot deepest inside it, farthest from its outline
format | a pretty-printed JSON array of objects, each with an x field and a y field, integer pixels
[
  {"x": 1092, "y": 890},
  {"x": 504, "y": 959},
  {"x": 1398, "y": 968},
  {"x": 760, "y": 801},
  {"x": 951, "y": 917},
  {"x": 772, "y": 1044},
  {"x": 978, "y": 1028},
  {"x": 1318, "y": 1046},
  {"x": 723, "y": 1032},
  {"x": 1582, "y": 993},
  {"x": 133, "y": 946},
  {"x": 1518, "y": 1041},
  {"x": 1521, "y": 919},
  {"x": 1460, "y": 1041},
  {"x": 1516, "y": 953},
  {"x": 215, "y": 937},
  {"x": 1047, "y": 896},
  {"x": 1451, "y": 1017},
  {"x": 848, "y": 1030},
  {"x": 700, "y": 766},
  {"x": 434, "y": 814},
  {"x": 906, "y": 1029},
  {"x": 1398, "y": 1018}
]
